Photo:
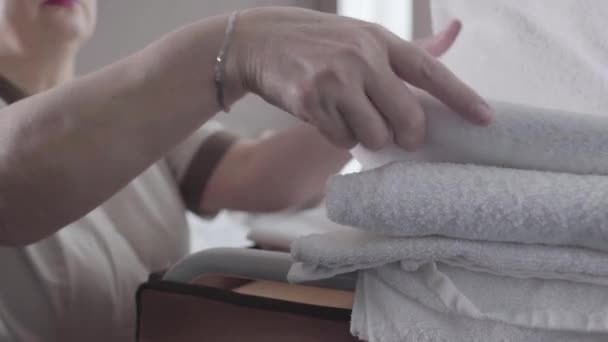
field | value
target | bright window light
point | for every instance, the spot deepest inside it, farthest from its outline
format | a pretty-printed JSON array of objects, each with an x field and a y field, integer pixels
[{"x": 395, "y": 15}]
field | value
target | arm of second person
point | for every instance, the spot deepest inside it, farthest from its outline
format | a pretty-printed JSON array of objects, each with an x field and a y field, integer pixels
[{"x": 287, "y": 169}]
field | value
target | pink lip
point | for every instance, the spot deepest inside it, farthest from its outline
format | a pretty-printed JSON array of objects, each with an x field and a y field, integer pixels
[{"x": 62, "y": 3}]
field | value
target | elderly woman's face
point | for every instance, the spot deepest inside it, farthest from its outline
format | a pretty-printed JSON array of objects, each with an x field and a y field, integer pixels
[{"x": 29, "y": 21}]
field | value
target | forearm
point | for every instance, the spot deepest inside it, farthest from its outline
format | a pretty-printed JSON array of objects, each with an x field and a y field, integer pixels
[
  {"x": 65, "y": 151},
  {"x": 284, "y": 170}
]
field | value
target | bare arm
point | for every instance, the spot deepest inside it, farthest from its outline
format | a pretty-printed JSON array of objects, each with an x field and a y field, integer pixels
[
  {"x": 284, "y": 170},
  {"x": 64, "y": 151}
]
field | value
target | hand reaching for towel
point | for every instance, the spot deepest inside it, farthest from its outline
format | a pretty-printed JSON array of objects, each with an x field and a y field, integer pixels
[{"x": 347, "y": 76}]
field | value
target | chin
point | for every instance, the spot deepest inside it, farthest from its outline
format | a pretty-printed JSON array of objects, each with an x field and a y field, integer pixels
[{"x": 69, "y": 32}]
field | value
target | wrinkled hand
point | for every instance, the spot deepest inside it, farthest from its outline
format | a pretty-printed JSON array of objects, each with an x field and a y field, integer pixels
[{"x": 346, "y": 76}]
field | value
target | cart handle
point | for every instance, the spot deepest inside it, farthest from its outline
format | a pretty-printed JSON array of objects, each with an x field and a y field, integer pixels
[{"x": 247, "y": 263}]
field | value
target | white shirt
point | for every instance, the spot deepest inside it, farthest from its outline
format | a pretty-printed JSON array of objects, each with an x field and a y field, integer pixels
[
  {"x": 550, "y": 54},
  {"x": 79, "y": 284}
]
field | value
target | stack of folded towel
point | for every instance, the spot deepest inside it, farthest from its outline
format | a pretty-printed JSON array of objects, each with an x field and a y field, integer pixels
[{"x": 486, "y": 234}]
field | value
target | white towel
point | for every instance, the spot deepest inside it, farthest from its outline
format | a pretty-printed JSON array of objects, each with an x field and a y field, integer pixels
[
  {"x": 506, "y": 286},
  {"x": 525, "y": 289},
  {"x": 279, "y": 230},
  {"x": 384, "y": 314},
  {"x": 474, "y": 202},
  {"x": 558, "y": 60},
  {"x": 325, "y": 255},
  {"x": 520, "y": 137}
]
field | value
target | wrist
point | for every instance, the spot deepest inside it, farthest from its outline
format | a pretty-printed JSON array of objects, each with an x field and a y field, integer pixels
[
  {"x": 241, "y": 69},
  {"x": 234, "y": 83}
]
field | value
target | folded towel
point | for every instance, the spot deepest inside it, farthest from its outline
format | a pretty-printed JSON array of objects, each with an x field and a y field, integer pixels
[
  {"x": 325, "y": 255},
  {"x": 467, "y": 278},
  {"x": 474, "y": 202},
  {"x": 520, "y": 284},
  {"x": 382, "y": 313},
  {"x": 520, "y": 137}
]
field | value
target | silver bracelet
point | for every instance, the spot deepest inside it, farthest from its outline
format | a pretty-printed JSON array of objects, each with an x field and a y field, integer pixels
[{"x": 220, "y": 65}]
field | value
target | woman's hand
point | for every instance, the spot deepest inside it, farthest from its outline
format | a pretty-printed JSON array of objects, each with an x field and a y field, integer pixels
[{"x": 347, "y": 76}]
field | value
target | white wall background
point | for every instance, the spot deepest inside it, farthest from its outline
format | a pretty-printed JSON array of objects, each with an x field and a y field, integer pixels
[
  {"x": 410, "y": 19},
  {"x": 421, "y": 19},
  {"x": 395, "y": 15}
]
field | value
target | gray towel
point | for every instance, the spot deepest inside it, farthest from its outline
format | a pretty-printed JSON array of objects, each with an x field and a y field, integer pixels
[
  {"x": 325, "y": 255},
  {"x": 520, "y": 137},
  {"x": 485, "y": 246},
  {"x": 475, "y": 203},
  {"x": 530, "y": 286}
]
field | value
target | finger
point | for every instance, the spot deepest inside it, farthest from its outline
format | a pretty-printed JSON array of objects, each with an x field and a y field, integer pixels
[
  {"x": 422, "y": 70},
  {"x": 331, "y": 123},
  {"x": 364, "y": 121},
  {"x": 437, "y": 44},
  {"x": 399, "y": 106},
  {"x": 319, "y": 110}
]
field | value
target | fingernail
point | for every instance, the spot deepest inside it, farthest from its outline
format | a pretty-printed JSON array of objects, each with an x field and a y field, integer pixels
[{"x": 485, "y": 114}]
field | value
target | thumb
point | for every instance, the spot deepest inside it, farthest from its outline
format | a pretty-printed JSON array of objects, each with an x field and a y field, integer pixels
[{"x": 439, "y": 43}]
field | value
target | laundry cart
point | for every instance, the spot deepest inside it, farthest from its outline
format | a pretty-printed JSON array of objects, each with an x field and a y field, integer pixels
[{"x": 234, "y": 294}]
